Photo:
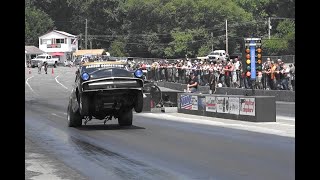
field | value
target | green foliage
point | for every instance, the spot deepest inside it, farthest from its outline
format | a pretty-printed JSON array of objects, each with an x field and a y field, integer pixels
[
  {"x": 274, "y": 46},
  {"x": 37, "y": 23},
  {"x": 117, "y": 48},
  {"x": 203, "y": 50},
  {"x": 169, "y": 28},
  {"x": 283, "y": 42}
]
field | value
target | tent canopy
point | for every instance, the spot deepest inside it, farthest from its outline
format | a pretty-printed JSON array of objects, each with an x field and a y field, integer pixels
[
  {"x": 89, "y": 51},
  {"x": 32, "y": 50}
]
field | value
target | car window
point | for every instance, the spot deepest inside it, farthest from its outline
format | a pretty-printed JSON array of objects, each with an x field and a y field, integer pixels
[{"x": 106, "y": 71}]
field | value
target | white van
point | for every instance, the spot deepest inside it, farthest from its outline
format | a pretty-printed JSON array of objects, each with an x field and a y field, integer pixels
[{"x": 217, "y": 55}]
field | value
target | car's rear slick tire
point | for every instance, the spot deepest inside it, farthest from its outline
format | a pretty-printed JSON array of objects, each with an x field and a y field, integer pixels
[
  {"x": 125, "y": 118},
  {"x": 84, "y": 105},
  {"x": 74, "y": 118},
  {"x": 138, "y": 104}
]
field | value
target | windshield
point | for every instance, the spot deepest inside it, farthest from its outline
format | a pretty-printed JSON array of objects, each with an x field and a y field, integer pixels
[
  {"x": 98, "y": 71},
  {"x": 214, "y": 53},
  {"x": 41, "y": 57}
]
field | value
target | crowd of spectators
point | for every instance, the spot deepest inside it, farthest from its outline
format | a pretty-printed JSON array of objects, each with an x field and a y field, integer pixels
[{"x": 275, "y": 75}]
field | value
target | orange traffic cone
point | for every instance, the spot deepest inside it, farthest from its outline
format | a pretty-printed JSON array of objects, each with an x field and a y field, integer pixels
[{"x": 52, "y": 71}]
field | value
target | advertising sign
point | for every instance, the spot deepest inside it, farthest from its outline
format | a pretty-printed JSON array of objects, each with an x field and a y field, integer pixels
[
  {"x": 53, "y": 45},
  {"x": 222, "y": 105},
  {"x": 247, "y": 106},
  {"x": 201, "y": 103},
  {"x": 185, "y": 102},
  {"x": 234, "y": 104},
  {"x": 194, "y": 102},
  {"x": 211, "y": 104}
]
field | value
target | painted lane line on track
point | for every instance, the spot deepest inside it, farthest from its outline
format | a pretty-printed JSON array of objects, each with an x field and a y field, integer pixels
[
  {"x": 29, "y": 85},
  {"x": 60, "y": 83},
  {"x": 57, "y": 115}
]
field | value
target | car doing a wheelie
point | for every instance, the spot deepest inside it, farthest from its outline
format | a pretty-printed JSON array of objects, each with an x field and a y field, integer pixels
[{"x": 103, "y": 90}]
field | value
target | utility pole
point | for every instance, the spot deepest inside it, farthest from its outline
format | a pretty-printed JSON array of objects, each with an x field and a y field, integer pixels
[
  {"x": 81, "y": 41},
  {"x": 226, "y": 36},
  {"x": 86, "y": 35},
  {"x": 269, "y": 27},
  {"x": 211, "y": 41}
]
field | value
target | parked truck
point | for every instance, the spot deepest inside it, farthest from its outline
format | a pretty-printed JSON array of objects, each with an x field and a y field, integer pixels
[
  {"x": 44, "y": 58},
  {"x": 217, "y": 55}
]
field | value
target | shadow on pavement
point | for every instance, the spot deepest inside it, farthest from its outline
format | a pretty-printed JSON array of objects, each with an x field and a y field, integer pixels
[{"x": 107, "y": 127}]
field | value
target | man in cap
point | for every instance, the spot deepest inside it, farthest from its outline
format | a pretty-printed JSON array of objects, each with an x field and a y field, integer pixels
[{"x": 193, "y": 83}]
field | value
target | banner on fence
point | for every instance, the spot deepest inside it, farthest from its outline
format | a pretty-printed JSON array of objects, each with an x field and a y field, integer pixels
[
  {"x": 211, "y": 104},
  {"x": 222, "y": 105},
  {"x": 234, "y": 105},
  {"x": 201, "y": 103},
  {"x": 247, "y": 106},
  {"x": 185, "y": 102},
  {"x": 194, "y": 102}
]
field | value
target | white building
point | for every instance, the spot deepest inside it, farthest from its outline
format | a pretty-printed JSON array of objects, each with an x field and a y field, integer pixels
[{"x": 59, "y": 43}]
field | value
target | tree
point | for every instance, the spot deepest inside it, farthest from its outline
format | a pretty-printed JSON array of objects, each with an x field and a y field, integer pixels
[
  {"x": 283, "y": 42},
  {"x": 37, "y": 23},
  {"x": 117, "y": 48}
]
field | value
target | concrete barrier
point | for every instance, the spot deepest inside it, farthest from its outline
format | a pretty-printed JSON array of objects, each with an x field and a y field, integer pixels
[{"x": 237, "y": 107}]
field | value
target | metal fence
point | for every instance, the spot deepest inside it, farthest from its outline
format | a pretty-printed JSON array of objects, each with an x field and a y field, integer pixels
[{"x": 284, "y": 58}]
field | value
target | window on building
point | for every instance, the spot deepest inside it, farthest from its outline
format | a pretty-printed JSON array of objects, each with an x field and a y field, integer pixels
[
  {"x": 73, "y": 41},
  {"x": 60, "y": 41},
  {"x": 45, "y": 41}
]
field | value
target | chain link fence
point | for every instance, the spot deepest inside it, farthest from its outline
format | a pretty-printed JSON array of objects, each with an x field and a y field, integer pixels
[{"x": 285, "y": 58}]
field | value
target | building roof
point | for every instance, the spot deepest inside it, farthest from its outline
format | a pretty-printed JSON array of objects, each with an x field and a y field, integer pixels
[
  {"x": 33, "y": 50},
  {"x": 65, "y": 33},
  {"x": 60, "y": 32},
  {"x": 89, "y": 52}
]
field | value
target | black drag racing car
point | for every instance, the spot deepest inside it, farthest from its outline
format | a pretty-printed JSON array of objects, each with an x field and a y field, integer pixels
[{"x": 103, "y": 90}]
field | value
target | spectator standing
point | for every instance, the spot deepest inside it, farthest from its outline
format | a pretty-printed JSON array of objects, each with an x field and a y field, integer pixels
[
  {"x": 227, "y": 70},
  {"x": 278, "y": 74},
  {"x": 45, "y": 65},
  {"x": 266, "y": 69},
  {"x": 233, "y": 74},
  {"x": 272, "y": 76},
  {"x": 237, "y": 67},
  {"x": 39, "y": 67},
  {"x": 292, "y": 76},
  {"x": 285, "y": 76}
]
